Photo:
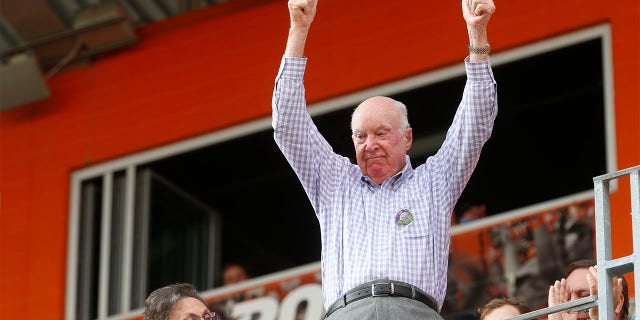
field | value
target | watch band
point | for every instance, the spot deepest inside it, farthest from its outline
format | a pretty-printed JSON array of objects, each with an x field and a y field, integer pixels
[{"x": 480, "y": 50}]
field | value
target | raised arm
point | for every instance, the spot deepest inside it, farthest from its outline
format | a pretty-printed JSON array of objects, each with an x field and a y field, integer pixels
[
  {"x": 301, "y": 13},
  {"x": 477, "y": 14},
  {"x": 306, "y": 150}
]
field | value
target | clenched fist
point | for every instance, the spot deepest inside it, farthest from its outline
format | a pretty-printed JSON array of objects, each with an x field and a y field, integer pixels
[{"x": 302, "y": 13}]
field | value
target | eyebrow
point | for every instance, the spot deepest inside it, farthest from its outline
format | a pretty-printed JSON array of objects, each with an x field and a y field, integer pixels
[{"x": 380, "y": 127}]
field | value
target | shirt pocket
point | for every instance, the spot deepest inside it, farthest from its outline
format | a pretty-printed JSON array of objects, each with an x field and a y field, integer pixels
[{"x": 419, "y": 226}]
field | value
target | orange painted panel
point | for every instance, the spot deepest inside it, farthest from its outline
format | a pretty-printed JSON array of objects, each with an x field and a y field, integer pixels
[{"x": 214, "y": 68}]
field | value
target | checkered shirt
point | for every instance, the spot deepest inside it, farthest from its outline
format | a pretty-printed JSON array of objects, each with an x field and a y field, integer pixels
[{"x": 361, "y": 237}]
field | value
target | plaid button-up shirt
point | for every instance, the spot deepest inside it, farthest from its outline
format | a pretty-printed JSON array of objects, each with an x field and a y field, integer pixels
[{"x": 362, "y": 239}]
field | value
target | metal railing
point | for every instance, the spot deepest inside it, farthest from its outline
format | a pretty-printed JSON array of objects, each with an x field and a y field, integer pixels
[{"x": 607, "y": 266}]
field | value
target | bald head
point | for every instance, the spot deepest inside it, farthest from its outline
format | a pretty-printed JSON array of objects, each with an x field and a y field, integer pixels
[{"x": 378, "y": 103}]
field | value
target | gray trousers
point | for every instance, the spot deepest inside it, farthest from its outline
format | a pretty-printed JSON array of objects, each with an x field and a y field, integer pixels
[{"x": 387, "y": 308}]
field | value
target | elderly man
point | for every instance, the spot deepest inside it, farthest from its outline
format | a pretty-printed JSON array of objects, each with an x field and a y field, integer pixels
[{"x": 385, "y": 225}]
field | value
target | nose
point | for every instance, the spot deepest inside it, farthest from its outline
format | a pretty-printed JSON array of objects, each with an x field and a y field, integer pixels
[{"x": 371, "y": 143}]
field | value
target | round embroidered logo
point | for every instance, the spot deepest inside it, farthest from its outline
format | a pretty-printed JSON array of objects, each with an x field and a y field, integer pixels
[{"x": 404, "y": 217}]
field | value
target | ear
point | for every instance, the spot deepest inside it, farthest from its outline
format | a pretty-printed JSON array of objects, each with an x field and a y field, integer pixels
[{"x": 408, "y": 134}]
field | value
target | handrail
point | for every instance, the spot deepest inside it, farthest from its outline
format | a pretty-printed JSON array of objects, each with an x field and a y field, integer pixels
[
  {"x": 575, "y": 305},
  {"x": 607, "y": 265}
]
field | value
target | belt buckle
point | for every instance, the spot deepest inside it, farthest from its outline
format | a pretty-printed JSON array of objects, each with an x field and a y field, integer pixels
[{"x": 375, "y": 293}]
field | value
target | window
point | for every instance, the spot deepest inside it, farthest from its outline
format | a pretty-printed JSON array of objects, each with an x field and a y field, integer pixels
[
  {"x": 179, "y": 245},
  {"x": 122, "y": 256}
]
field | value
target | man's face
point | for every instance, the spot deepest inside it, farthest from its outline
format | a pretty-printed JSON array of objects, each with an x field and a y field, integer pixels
[
  {"x": 578, "y": 288},
  {"x": 379, "y": 140},
  {"x": 234, "y": 274}
]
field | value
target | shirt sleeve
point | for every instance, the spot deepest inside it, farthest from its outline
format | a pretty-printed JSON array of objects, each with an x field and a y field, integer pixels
[
  {"x": 472, "y": 125},
  {"x": 306, "y": 150}
]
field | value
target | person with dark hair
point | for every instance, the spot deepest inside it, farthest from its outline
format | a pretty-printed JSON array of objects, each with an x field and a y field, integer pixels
[
  {"x": 502, "y": 308},
  {"x": 385, "y": 226},
  {"x": 179, "y": 301},
  {"x": 234, "y": 273},
  {"x": 466, "y": 212},
  {"x": 581, "y": 280}
]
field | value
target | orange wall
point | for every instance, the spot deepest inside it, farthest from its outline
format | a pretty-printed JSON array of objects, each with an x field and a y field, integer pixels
[{"x": 212, "y": 69}]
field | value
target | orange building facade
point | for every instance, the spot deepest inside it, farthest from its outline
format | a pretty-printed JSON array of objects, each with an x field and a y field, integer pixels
[{"x": 210, "y": 70}]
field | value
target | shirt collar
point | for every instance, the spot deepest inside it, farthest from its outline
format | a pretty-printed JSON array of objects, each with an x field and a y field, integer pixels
[{"x": 395, "y": 181}]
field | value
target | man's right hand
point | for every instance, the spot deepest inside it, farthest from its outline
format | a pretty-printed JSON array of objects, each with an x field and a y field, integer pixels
[{"x": 302, "y": 12}]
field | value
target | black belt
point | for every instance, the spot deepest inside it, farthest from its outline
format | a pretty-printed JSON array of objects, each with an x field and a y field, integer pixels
[{"x": 381, "y": 288}]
